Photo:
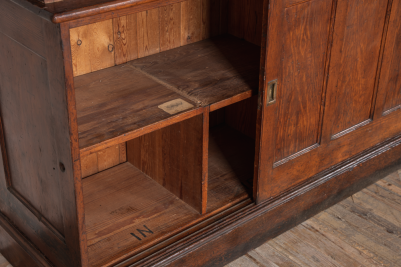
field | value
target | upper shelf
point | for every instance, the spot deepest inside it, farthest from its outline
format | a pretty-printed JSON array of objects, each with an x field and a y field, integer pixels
[{"x": 119, "y": 103}]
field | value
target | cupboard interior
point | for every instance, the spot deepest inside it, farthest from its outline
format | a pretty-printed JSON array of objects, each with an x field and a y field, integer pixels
[
  {"x": 171, "y": 180},
  {"x": 144, "y": 188},
  {"x": 206, "y": 53}
]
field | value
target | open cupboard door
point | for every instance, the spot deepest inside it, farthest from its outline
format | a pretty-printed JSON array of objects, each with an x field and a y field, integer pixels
[{"x": 322, "y": 100}]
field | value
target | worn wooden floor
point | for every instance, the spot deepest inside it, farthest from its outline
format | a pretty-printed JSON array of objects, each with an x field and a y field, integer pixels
[{"x": 363, "y": 230}]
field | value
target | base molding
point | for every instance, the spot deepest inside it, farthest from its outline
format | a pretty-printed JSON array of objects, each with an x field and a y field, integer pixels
[
  {"x": 250, "y": 227},
  {"x": 234, "y": 235},
  {"x": 17, "y": 249}
]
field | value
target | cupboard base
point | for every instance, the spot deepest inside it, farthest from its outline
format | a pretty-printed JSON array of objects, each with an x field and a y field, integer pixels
[{"x": 251, "y": 226}]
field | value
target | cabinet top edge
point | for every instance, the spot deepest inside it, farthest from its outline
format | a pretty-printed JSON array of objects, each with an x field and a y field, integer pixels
[{"x": 69, "y": 10}]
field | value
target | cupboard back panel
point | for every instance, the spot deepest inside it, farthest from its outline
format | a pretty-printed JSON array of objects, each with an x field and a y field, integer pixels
[
  {"x": 104, "y": 159},
  {"x": 117, "y": 41},
  {"x": 172, "y": 156}
]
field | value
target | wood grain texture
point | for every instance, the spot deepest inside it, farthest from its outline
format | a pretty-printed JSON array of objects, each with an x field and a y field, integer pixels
[
  {"x": 170, "y": 27},
  {"x": 217, "y": 68},
  {"x": 15, "y": 253},
  {"x": 358, "y": 34},
  {"x": 24, "y": 104},
  {"x": 148, "y": 32},
  {"x": 325, "y": 192},
  {"x": 300, "y": 87},
  {"x": 121, "y": 200},
  {"x": 389, "y": 97},
  {"x": 92, "y": 47},
  {"x": 116, "y": 101},
  {"x": 103, "y": 160},
  {"x": 172, "y": 156},
  {"x": 191, "y": 21},
  {"x": 125, "y": 38}
]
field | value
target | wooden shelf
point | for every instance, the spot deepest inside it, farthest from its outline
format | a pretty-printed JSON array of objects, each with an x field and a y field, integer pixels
[
  {"x": 113, "y": 104},
  {"x": 231, "y": 159},
  {"x": 207, "y": 72},
  {"x": 121, "y": 200},
  {"x": 120, "y": 103}
]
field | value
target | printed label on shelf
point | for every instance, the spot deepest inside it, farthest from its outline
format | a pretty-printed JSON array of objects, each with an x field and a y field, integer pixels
[{"x": 175, "y": 106}]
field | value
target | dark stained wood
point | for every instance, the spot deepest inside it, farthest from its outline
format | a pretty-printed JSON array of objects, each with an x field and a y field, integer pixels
[
  {"x": 36, "y": 87},
  {"x": 328, "y": 150},
  {"x": 389, "y": 98},
  {"x": 218, "y": 68},
  {"x": 358, "y": 34},
  {"x": 25, "y": 28},
  {"x": 16, "y": 251},
  {"x": 253, "y": 18},
  {"x": 117, "y": 101},
  {"x": 17, "y": 100},
  {"x": 300, "y": 85},
  {"x": 211, "y": 18},
  {"x": 172, "y": 156},
  {"x": 272, "y": 218},
  {"x": 231, "y": 157},
  {"x": 76, "y": 221}
]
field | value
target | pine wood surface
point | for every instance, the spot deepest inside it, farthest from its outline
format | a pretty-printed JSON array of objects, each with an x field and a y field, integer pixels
[{"x": 363, "y": 230}]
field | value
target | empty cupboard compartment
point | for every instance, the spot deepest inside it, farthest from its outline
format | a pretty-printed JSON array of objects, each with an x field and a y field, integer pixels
[
  {"x": 204, "y": 53},
  {"x": 155, "y": 193},
  {"x": 232, "y": 134}
]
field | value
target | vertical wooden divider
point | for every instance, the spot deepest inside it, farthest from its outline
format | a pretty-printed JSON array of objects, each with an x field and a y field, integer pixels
[
  {"x": 174, "y": 157},
  {"x": 205, "y": 158}
]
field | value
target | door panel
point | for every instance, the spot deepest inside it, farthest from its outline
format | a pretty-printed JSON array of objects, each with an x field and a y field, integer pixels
[
  {"x": 307, "y": 28},
  {"x": 358, "y": 33},
  {"x": 389, "y": 97},
  {"x": 325, "y": 55}
]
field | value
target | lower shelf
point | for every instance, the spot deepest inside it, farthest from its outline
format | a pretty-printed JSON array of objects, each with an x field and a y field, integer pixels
[{"x": 126, "y": 211}]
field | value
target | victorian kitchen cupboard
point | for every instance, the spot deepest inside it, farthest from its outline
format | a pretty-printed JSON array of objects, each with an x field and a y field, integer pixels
[{"x": 185, "y": 133}]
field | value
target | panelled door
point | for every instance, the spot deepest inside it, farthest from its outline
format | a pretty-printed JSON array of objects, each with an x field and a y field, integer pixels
[{"x": 333, "y": 86}]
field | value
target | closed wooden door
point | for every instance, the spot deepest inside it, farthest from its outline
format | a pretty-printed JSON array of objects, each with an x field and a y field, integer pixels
[{"x": 332, "y": 78}]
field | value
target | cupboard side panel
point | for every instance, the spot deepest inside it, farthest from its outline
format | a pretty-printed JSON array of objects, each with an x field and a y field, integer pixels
[
  {"x": 27, "y": 119},
  {"x": 358, "y": 33},
  {"x": 300, "y": 87}
]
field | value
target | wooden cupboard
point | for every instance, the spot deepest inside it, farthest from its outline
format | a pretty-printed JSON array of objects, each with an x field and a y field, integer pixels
[{"x": 184, "y": 133}]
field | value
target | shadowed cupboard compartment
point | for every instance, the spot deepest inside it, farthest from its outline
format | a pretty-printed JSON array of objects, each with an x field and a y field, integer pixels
[{"x": 150, "y": 173}]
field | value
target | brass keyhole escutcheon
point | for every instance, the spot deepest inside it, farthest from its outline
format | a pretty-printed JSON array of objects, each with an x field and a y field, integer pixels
[{"x": 111, "y": 48}]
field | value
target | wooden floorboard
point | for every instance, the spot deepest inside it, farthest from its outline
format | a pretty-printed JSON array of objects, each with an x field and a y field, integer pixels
[{"x": 363, "y": 230}]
